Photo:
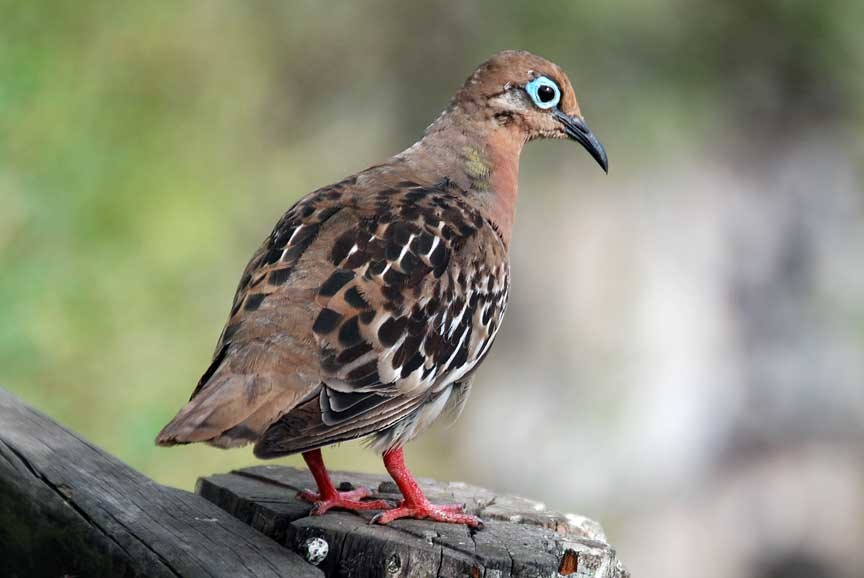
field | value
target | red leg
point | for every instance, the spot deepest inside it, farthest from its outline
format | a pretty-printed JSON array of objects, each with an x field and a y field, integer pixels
[
  {"x": 328, "y": 497},
  {"x": 416, "y": 505}
]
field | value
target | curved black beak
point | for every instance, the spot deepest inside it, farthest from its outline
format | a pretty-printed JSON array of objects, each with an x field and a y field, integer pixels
[{"x": 576, "y": 129}]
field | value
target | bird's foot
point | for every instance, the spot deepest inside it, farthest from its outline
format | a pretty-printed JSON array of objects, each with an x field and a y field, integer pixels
[
  {"x": 351, "y": 500},
  {"x": 449, "y": 513}
]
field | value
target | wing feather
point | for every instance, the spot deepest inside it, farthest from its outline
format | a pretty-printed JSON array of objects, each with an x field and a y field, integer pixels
[{"x": 414, "y": 301}]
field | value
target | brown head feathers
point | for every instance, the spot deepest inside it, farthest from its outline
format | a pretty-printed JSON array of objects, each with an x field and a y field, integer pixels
[{"x": 496, "y": 93}]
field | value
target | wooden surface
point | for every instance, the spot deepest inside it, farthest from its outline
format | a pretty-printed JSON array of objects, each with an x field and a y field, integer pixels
[
  {"x": 520, "y": 539},
  {"x": 69, "y": 509}
]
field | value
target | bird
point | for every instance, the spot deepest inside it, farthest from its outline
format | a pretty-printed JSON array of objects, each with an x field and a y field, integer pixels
[{"x": 368, "y": 309}]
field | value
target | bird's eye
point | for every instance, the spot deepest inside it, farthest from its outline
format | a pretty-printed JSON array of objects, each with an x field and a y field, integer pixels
[{"x": 543, "y": 92}]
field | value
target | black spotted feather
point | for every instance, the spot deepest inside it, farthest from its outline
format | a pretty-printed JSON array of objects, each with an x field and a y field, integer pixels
[{"x": 416, "y": 298}]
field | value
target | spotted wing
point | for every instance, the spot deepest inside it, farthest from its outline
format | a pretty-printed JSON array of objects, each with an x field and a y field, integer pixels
[{"x": 414, "y": 303}]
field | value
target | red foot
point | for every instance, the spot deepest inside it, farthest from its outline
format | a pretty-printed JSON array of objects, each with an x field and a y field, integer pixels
[
  {"x": 415, "y": 505},
  {"x": 342, "y": 501},
  {"x": 450, "y": 513}
]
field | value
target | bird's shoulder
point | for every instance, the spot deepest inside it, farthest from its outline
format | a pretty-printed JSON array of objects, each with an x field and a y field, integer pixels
[{"x": 368, "y": 216}]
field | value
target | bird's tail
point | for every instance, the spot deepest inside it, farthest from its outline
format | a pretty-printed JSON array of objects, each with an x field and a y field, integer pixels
[{"x": 231, "y": 410}]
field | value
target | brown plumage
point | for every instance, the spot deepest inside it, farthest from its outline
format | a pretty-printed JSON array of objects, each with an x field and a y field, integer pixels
[{"x": 370, "y": 305}]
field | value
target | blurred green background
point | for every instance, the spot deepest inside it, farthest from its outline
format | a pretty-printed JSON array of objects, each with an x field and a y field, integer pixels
[{"x": 147, "y": 148}]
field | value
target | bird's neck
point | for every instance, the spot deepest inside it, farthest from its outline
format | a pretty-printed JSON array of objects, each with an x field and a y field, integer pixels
[{"x": 481, "y": 157}]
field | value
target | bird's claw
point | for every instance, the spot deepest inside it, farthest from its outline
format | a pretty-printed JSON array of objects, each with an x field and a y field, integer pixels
[
  {"x": 350, "y": 501},
  {"x": 448, "y": 513}
]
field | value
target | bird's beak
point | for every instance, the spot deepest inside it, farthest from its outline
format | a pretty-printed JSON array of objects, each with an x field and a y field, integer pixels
[{"x": 576, "y": 129}]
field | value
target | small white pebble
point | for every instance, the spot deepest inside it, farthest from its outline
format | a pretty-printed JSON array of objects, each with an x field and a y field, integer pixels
[{"x": 315, "y": 550}]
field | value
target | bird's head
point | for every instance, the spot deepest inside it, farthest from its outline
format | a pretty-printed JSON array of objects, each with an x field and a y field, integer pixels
[{"x": 527, "y": 94}]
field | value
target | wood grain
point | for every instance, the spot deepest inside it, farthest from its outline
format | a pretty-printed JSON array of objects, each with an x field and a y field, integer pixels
[{"x": 69, "y": 509}]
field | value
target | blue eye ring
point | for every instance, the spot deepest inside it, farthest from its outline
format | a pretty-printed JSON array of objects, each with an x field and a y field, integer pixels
[{"x": 534, "y": 87}]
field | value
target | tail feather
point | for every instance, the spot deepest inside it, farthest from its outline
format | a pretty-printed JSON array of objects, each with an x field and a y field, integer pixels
[
  {"x": 231, "y": 411},
  {"x": 256, "y": 423}
]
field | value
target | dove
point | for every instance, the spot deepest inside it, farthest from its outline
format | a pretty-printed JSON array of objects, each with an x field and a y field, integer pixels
[{"x": 372, "y": 303}]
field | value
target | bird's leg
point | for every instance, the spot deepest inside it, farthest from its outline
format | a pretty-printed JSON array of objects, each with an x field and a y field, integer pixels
[
  {"x": 328, "y": 497},
  {"x": 416, "y": 505}
]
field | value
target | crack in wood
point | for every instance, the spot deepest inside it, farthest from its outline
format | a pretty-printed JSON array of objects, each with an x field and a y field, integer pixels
[{"x": 65, "y": 497}]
